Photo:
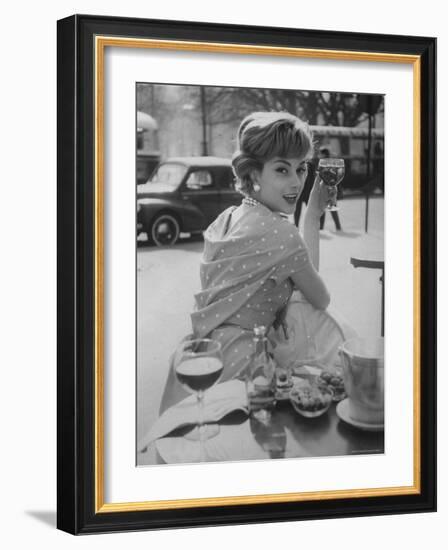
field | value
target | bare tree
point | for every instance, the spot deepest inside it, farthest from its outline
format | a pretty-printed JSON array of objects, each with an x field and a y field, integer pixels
[{"x": 226, "y": 105}]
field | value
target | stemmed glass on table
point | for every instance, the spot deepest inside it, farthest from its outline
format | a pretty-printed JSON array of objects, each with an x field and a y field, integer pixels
[
  {"x": 198, "y": 366},
  {"x": 332, "y": 172}
]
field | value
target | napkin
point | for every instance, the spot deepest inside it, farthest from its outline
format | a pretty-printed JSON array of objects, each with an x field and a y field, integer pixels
[{"x": 219, "y": 401}]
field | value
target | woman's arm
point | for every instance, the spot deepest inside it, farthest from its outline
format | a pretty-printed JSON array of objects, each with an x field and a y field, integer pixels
[
  {"x": 310, "y": 284},
  {"x": 316, "y": 206},
  {"x": 311, "y": 235},
  {"x": 308, "y": 280}
]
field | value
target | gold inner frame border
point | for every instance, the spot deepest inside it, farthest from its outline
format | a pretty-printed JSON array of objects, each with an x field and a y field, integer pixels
[{"x": 101, "y": 42}]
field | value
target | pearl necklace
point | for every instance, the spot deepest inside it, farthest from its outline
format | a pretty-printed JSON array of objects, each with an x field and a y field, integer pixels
[{"x": 249, "y": 201}]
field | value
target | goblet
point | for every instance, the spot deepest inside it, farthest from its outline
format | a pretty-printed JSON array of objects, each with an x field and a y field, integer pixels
[
  {"x": 198, "y": 366},
  {"x": 331, "y": 171}
]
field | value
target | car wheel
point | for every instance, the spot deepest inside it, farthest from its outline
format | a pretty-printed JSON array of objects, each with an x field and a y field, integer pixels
[{"x": 164, "y": 230}]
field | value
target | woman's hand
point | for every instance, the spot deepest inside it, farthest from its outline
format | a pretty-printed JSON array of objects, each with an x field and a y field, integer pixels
[{"x": 319, "y": 197}]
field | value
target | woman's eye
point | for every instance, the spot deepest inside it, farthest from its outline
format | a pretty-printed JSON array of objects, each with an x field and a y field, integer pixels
[{"x": 282, "y": 170}]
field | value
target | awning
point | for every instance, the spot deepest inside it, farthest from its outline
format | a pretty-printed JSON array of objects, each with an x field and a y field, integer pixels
[
  {"x": 145, "y": 122},
  {"x": 349, "y": 131}
]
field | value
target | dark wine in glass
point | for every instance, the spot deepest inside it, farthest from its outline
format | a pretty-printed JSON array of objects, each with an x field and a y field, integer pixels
[
  {"x": 199, "y": 374},
  {"x": 198, "y": 365},
  {"x": 332, "y": 172}
]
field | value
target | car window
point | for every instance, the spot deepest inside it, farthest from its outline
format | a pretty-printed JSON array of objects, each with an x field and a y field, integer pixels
[
  {"x": 169, "y": 173},
  {"x": 227, "y": 180},
  {"x": 199, "y": 179}
]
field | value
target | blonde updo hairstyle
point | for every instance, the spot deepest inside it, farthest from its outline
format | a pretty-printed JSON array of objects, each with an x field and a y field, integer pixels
[{"x": 263, "y": 136}]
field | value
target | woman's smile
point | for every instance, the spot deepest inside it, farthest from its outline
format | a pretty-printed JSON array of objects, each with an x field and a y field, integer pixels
[
  {"x": 291, "y": 198},
  {"x": 281, "y": 181}
]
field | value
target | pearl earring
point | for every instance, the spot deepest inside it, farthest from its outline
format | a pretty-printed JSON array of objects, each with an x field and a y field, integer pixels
[{"x": 256, "y": 187}]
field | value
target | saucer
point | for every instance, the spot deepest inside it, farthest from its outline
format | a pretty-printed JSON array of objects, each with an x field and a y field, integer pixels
[{"x": 342, "y": 411}]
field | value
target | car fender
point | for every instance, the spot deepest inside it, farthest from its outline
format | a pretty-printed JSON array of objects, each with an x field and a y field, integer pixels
[{"x": 191, "y": 218}]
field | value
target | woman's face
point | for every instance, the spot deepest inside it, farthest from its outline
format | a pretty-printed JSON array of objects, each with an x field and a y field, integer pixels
[{"x": 281, "y": 182}]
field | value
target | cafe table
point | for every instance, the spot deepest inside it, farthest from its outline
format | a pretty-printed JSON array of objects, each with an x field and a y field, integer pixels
[{"x": 287, "y": 435}]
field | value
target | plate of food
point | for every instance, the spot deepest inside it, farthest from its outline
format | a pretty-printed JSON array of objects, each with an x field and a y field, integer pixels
[
  {"x": 294, "y": 377},
  {"x": 311, "y": 400},
  {"x": 334, "y": 380}
]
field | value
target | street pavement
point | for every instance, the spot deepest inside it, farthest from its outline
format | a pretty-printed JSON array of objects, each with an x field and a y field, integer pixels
[{"x": 167, "y": 279}]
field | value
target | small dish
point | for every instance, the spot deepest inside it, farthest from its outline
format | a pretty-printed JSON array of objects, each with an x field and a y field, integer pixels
[
  {"x": 335, "y": 381},
  {"x": 311, "y": 400},
  {"x": 282, "y": 393}
]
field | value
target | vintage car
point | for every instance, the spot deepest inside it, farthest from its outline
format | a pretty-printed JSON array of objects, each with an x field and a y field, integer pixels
[{"x": 184, "y": 195}]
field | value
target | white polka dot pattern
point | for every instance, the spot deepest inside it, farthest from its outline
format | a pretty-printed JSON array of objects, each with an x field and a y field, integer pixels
[{"x": 245, "y": 271}]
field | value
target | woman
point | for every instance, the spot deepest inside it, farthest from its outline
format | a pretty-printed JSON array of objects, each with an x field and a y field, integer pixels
[{"x": 254, "y": 258}]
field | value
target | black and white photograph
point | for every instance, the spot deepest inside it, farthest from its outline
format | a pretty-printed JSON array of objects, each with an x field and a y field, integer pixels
[
  {"x": 133, "y": 122},
  {"x": 259, "y": 273}
]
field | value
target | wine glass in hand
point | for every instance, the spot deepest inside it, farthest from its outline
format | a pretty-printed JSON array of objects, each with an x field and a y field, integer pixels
[
  {"x": 331, "y": 172},
  {"x": 198, "y": 365}
]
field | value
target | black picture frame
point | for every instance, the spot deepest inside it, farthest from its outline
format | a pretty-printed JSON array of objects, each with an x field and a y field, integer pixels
[{"x": 79, "y": 508}]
